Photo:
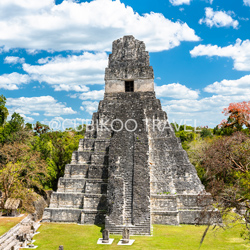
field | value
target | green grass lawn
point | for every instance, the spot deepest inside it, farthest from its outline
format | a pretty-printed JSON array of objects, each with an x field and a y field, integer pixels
[
  {"x": 184, "y": 237},
  {"x": 6, "y": 223}
]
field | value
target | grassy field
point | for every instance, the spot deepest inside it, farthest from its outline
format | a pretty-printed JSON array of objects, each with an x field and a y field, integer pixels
[
  {"x": 6, "y": 223},
  {"x": 184, "y": 237}
]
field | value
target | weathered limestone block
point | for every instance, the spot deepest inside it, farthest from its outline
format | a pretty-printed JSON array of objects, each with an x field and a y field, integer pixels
[
  {"x": 100, "y": 158},
  {"x": 88, "y": 144},
  {"x": 66, "y": 200},
  {"x": 96, "y": 217},
  {"x": 95, "y": 201},
  {"x": 84, "y": 157},
  {"x": 76, "y": 171},
  {"x": 64, "y": 215},
  {"x": 70, "y": 185},
  {"x": 102, "y": 145},
  {"x": 165, "y": 217},
  {"x": 96, "y": 186},
  {"x": 164, "y": 202},
  {"x": 98, "y": 172}
]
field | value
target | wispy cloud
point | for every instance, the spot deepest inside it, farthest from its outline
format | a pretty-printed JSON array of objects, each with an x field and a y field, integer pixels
[
  {"x": 177, "y": 91},
  {"x": 179, "y": 2},
  {"x": 239, "y": 52}
]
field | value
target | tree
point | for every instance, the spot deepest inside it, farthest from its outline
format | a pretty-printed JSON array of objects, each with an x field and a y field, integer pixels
[
  {"x": 14, "y": 130},
  {"x": 239, "y": 115},
  {"x": 22, "y": 173},
  {"x": 41, "y": 128},
  {"x": 205, "y": 132},
  {"x": 56, "y": 149},
  {"x": 3, "y": 110},
  {"x": 16, "y": 122},
  {"x": 226, "y": 164}
]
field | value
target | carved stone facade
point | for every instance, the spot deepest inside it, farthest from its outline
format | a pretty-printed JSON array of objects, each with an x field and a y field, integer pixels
[
  {"x": 132, "y": 175},
  {"x": 129, "y": 61}
]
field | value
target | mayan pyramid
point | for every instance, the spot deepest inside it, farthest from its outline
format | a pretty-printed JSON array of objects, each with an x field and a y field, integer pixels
[{"x": 130, "y": 170}]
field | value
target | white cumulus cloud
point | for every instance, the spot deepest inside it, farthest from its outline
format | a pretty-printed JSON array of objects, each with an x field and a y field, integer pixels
[
  {"x": 231, "y": 87},
  {"x": 204, "y": 111},
  {"x": 13, "y": 81},
  {"x": 71, "y": 73},
  {"x": 218, "y": 19},
  {"x": 179, "y": 2},
  {"x": 13, "y": 60},
  {"x": 239, "y": 52},
  {"x": 176, "y": 90},
  {"x": 46, "y": 104},
  {"x": 43, "y": 25}
]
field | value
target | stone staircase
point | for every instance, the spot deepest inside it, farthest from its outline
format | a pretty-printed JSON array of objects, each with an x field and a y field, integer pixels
[
  {"x": 128, "y": 203},
  {"x": 10, "y": 240},
  {"x": 81, "y": 193},
  {"x": 143, "y": 228}
]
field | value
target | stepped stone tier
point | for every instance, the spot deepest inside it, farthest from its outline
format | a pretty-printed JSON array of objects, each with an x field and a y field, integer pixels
[{"x": 130, "y": 170}]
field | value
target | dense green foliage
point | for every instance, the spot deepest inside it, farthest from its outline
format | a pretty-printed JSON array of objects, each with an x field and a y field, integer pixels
[
  {"x": 56, "y": 149},
  {"x": 222, "y": 160},
  {"x": 32, "y": 158},
  {"x": 3, "y": 110}
]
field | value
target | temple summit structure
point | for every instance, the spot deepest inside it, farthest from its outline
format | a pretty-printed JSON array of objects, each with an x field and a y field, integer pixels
[{"x": 130, "y": 170}]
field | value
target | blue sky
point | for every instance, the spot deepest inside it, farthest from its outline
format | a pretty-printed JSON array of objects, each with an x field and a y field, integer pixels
[{"x": 53, "y": 55}]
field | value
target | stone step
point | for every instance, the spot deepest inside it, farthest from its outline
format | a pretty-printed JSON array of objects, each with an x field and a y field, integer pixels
[
  {"x": 77, "y": 200},
  {"x": 103, "y": 134},
  {"x": 91, "y": 171},
  {"x": 99, "y": 159},
  {"x": 76, "y": 171},
  {"x": 83, "y": 157},
  {"x": 96, "y": 186},
  {"x": 98, "y": 172},
  {"x": 82, "y": 216},
  {"x": 82, "y": 185},
  {"x": 71, "y": 185}
]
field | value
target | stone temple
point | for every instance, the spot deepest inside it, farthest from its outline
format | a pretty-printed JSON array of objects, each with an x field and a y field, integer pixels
[{"x": 130, "y": 170}]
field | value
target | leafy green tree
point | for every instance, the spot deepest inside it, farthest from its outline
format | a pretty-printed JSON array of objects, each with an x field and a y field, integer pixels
[
  {"x": 226, "y": 164},
  {"x": 16, "y": 122},
  {"x": 22, "y": 172},
  {"x": 56, "y": 148},
  {"x": 185, "y": 133},
  {"x": 206, "y": 132},
  {"x": 13, "y": 130},
  {"x": 3, "y": 110}
]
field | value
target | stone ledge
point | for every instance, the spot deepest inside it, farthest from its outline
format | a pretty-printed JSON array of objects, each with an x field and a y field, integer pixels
[{"x": 165, "y": 212}]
